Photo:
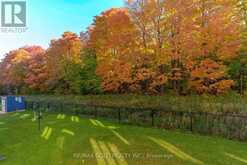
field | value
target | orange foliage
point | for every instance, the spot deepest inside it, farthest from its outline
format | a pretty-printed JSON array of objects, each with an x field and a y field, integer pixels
[
  {"x": 210, "y": 77},
  {"x": 112, "y": 35},
  {"x": 61, "y": 53},
  {"x": 116, "y": 76},
  {"x": 17, "y": 67},
  {"x": 148, "y": 81},
  {"x": 140, "y": 48},
  {"x": 36, "y": 70}
]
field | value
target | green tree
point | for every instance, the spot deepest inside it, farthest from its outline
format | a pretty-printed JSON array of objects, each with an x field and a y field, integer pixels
[{"x": 90, "y": 81}]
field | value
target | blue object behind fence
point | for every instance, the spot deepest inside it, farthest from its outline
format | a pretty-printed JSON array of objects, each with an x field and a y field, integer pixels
[{"x": 13, "y": 103}]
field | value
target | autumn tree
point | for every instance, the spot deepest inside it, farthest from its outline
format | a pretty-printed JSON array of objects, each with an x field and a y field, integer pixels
[
  {"x": 146, "y": 47},
  {"x": 216, "y": 38},
  {"x": 209, "y": 77},
  {"x": 238, "y": 66},
  {"x": 112, "y": 38},
  {"x": 179, "y": 25},
  {"x": 149, "y": 17},
  {"x": 111, "y": 35},
  {"x": 37, "y": 74},
  {"x": 15, "y": 69},
  {"x": 64, "y": 63}
]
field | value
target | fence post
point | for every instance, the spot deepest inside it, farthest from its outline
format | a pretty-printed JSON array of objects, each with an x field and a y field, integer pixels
[
  {"x": 61, "y": 107},
  {"x": 81, "y": 109},
  {"x": 119, "y": 115},
  {"x": 152, "y": 116},
  {"x": 48, "y": 106},
  {"x": 96, "y": 112},
  {"x": 32, "y": 106},
  {"x": 191, "y": 122},
  {"x": 180, "y": 120},
  {"x": 38, "y": 105}
]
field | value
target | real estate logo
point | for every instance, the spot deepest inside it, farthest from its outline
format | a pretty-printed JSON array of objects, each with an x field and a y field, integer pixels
[{"x": 13, "y": 16}]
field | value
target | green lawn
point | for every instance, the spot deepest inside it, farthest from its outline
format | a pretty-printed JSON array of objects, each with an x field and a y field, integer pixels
[{"x": 70, "y": 140}]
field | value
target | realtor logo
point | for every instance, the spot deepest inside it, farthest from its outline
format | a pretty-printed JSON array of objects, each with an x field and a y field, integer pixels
[{"x": 13, "y": 14}]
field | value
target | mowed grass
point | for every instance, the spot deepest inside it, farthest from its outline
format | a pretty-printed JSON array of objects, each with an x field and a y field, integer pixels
[{"x": 71, "y": 140}]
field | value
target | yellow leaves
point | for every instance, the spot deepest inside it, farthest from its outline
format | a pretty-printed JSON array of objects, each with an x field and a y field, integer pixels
[
  {"x": 21, "y": 67},
  {"x": 115, "y": 75},
  {"x": 147, "y": 80},
  {"x": 222, "y": 86},
  {"x": 158, "y": 81},
  {"x": 210, "y": 77},
  {"x": 113, "y": 34},
  {"x": 20, "y": 56},
  {"x": 199, "y": 37},
  {"x": 36, "y": 70},
  {"x": 143, "y": 74},
  {"x": 176, "y": 74},
  {"x": 140, "y": 47},
  {"x": 62, "y": 54},
  {"x": 118, "y": 76},
  {"x": 68, "y": 47}
]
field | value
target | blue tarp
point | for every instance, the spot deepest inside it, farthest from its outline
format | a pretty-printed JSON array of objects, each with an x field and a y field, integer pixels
[{"x": 13, "y": 103}]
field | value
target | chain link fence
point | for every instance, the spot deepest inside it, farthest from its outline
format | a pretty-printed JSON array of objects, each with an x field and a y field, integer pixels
[{"x": 228, "y": 125}]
